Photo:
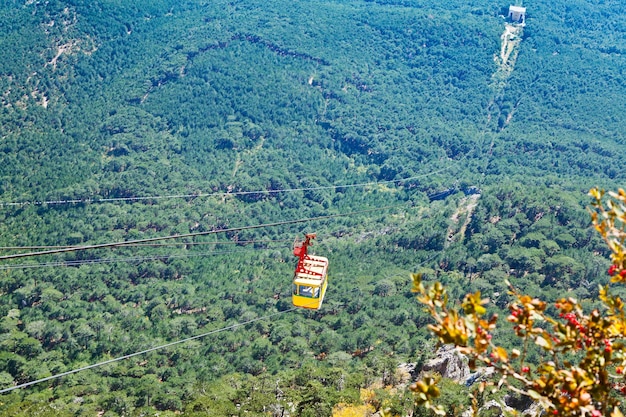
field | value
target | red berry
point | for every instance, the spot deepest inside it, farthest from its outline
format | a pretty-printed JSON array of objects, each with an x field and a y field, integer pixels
[
  {"x": 622, "y": 273},
  {"x": 612, "y": 269},
  {"x": 525, "y": 369}
]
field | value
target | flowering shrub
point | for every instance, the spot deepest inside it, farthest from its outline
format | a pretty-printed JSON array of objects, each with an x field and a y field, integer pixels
[{"x": 586, "y": 353}]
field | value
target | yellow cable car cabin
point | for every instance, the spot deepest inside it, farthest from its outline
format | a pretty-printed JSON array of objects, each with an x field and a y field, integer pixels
[{"x": 310, "y": 278}]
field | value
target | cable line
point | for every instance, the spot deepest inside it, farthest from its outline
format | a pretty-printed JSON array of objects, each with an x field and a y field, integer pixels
[
  {"x": 115, "y": 260},
  {"x": 152, "y": 245},
  {"x": 209, "y": 232},
  {"x": 95, "y": 365},
  {"x": 152, "y": 349},
  {"x": 79, "y": 262},
  {"x": 222, "y": 194}
]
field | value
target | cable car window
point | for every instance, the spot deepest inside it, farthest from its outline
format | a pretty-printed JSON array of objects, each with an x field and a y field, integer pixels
[
  {"x": 316, "y": 292},
  {"x": 294, "y": 288},
  {"x": 306, "y": 291}
]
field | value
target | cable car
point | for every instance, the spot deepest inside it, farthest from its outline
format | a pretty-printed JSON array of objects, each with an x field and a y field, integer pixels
[{"x": 310, "y": 278}]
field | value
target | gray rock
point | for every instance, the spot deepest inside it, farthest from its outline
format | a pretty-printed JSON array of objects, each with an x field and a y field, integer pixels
[
  {"x": 408, "y": 368},
  {"x": 518, "y": 401},
  {"x": 492, "y": 405},
  {"x": 449, "y": 364},
  {"x": 535, "y": 410}
]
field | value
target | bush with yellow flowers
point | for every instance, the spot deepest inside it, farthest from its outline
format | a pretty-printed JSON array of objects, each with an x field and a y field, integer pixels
[{"x": 585, "y": 352}]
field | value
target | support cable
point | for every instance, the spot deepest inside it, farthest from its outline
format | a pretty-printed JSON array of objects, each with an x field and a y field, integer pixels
[
  {"x": 136, "y": 259},
  {"x": 152, "y": 349},
  {"x": 95, "y": 365},
  {"x": 220, "y": 194},
  {"x": 209, "y": 232},
  {"x": 152, "y": 245}
]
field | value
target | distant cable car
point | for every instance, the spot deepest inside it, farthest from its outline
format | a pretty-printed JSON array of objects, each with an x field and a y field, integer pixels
[{"x": 310, "y": 279}]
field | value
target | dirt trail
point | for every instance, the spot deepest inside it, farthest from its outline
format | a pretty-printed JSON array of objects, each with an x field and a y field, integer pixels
[
  {"x": 505, "y": 63},
  {"x": 61, "y": 49},
  {"x": 466, "y": 207},
  {"x": 510, "y": 40}
]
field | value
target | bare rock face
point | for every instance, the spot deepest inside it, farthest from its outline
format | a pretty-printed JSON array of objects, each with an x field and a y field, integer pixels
[
  {"x": 481, "y": 374},
  {"x": 518, "y": 402},
  {"x": 407, "y": 371},
  {"x": 534, "y": 410},
  {"x": 494, "y": 408},
  {"x": 449, "y": 364}
]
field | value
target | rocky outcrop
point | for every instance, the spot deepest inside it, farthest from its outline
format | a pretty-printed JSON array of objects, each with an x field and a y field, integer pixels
[
  {"x": 494, "y": 408},
  {"x": 481, "y": 374},
  {"x": 408, "y": 372},
  {"x": 518, "y": 401},
  {"x": 534, "y": 410},
  {"x": 449, "y": 364}
]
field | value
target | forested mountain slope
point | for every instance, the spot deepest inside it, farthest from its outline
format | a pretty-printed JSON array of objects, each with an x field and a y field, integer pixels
[{"x": 121, "y": 106}]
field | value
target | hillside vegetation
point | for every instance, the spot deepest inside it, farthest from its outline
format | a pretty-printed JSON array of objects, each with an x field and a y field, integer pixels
[{"x": 131, "y": 120}]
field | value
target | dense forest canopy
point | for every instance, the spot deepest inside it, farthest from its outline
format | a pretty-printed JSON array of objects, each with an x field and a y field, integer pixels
[{"x": 115, "y": 104}]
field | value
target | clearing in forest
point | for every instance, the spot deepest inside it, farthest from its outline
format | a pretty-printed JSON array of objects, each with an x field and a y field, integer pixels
[
  {"x": 511, "y": 38},
  {"x": 466, "y": 207}
]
